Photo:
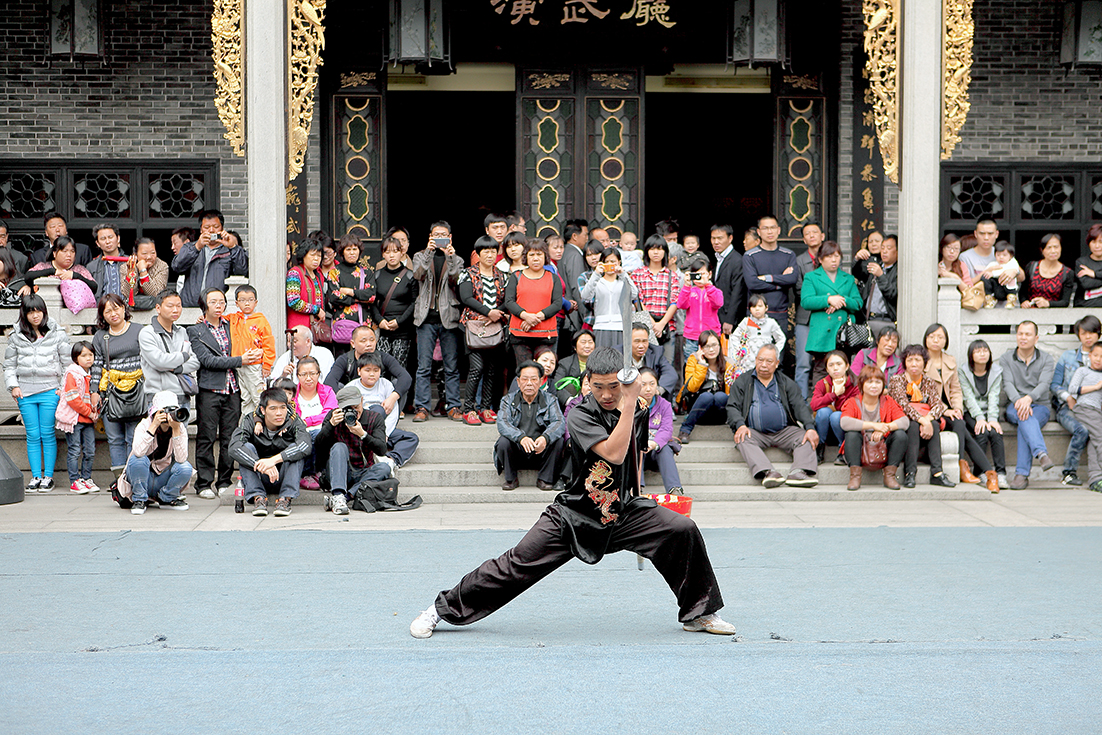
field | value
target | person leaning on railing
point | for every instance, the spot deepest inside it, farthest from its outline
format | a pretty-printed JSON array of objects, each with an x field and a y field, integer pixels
[{"x": 1048, "y": 282}]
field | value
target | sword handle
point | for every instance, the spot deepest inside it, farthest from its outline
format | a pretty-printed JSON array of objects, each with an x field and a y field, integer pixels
[{"x": 627, "y": 375}]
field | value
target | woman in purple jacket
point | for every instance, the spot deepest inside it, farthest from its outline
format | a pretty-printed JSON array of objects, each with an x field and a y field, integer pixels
[{"x": 659, "y": 453}]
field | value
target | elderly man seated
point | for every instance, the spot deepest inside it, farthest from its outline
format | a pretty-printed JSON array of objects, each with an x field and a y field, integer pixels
[
  {"x": 646, "y": 355},
  {"x": 766, "y": 409},
  {"x": 302, "y": 344},
  {"x": 531, "y": 426}
]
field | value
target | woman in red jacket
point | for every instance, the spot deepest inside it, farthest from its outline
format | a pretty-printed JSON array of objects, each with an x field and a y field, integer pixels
[
  {"x": 873, "y": 416},
  {"x": 831, "y": 393}
]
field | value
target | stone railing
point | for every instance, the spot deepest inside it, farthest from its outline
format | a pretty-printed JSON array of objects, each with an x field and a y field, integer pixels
[
  {"x": 998, "y": 326},
  {"x": 78, "y": 326}
]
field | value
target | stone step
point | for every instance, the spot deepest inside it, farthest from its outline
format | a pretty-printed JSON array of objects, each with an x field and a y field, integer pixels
[{"x": 481, "y": 452}]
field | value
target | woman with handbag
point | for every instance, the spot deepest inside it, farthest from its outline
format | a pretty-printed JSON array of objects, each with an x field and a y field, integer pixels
[
  {"x": 306, "y": 291},
  {"x": 832, "y": 298},
  {"x": 876, "y": 430},
  {"x": 351, "y": 290},
  {"x": 34, "y": 367},
  {"x": 482, "y": 293},
  {"x": 396, "y": 293},
  {"x": 117, "y": 381},
  {"x": 78, "y": 288},
  {"x": 920, "y": 400},
  {"x": 942, "y": 369}
]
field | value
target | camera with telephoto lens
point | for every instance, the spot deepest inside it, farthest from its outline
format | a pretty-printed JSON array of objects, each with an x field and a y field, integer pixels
[
  {"x": 177, "y": 413},
  {"x": 350, "y": 417}
]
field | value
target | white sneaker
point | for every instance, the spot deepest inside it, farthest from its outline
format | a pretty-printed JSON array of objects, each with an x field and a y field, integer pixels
[
  {"x": 709, "y": 624},
  {"x": 92, "y": 487},
  {"x": 223, "y": 490},
  {"x": 32, "y": 486},
  {"x": 340, "y": 505},
  {"x": 424, "y": 624},
  {"x": 1003, "y": 484},
  {"x": 207, "y": 494},
  {"x": 79, "y": 487},
  {"x": 387, "y": 460},
  {"x": 46, "y": 484}
]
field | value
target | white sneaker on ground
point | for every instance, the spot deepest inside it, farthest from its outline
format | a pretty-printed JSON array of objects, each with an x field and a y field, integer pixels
[
  {"x": 46, "y": 484},
  {"x": 709, "y": 624},
  {"x": 92, "y": 486},
  {"x": 424, "y": 624},
  {"x": 1003, "y": 484},
  {"x": 340, "y": 504},
  {"x": 223, "y": 490},
  {"x": 32, "y": 486},
  {"x": 207, "y": 494},
  {"x": 387, "y": 460},
  {"x": 79, "y": 487}
]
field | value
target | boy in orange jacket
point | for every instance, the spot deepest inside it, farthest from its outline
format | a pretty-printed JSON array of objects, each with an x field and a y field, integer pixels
[{"x": 249, "y": 329}]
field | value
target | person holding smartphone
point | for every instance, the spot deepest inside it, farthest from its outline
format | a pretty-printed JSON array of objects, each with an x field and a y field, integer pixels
[
  {"x": 436, "y": 316},
  {"x": 349, "y": 440},
  {"x": 215, "y": 255}
]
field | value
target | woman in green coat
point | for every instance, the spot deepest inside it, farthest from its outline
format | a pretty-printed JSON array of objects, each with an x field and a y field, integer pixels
[{"x": 831, "y": 295}]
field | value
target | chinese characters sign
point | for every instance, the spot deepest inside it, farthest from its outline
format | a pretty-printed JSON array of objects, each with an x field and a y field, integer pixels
[
  {"x": 568, "y": 12},
  {"x": 868, "y": 168}
]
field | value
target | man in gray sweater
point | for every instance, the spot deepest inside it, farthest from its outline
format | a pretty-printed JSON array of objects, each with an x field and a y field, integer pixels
[
  {"x": 1027, "y": 375},
  {"x": 166, "y": 350}
]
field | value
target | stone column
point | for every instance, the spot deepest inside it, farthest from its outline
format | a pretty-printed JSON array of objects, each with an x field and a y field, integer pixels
[
  {"x": 920, "y": 128},
  {"x": 266, "y": 156}
]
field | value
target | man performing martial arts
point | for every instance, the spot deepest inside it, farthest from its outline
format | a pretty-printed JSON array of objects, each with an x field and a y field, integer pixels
[{"x": 599, "y": 513}]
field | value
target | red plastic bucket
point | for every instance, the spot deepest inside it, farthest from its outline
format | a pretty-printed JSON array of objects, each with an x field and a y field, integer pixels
[{"x": 682, "y": 504}]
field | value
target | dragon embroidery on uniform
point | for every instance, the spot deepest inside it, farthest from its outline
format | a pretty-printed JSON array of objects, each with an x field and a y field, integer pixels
[{"x": 600, "y": 477}]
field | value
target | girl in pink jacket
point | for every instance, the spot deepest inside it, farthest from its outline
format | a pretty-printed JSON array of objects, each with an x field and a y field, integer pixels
[
  {"x": 75, "y": 415},
  {"x": 701, "y": 301}
]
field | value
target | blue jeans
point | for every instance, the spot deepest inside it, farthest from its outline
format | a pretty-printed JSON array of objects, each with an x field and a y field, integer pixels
[
  {"x": 1079, "y": 437},
  {"x": 1030, "y": 441},
  {"x": 120, "y": 440},
  {"x": 342, "y": 475},
  {"x": 829, "y": 420},
  {"x": 164, "y": 487},
  {"x": 286, "y": 484},
  {"x": 427, "y": 334},
  {"x": 803, "y": 363},
  {"x": 81, "y": 440},
  {"x": 714, "y": 404},
  {"x": 691, "y": 346},
  {"x": 38, "y": 418}
]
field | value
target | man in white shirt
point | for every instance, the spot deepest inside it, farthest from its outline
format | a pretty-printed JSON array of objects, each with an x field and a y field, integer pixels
[
  {"x": 302, "y": 344},
  {"x": 983, "y": 255}
]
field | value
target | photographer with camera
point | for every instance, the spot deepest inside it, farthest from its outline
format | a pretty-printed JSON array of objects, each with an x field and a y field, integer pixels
[
  {"x": 157, "y": 470},
  {"x": 207, "y": 262},
  {"x": 350, "y": 440},
  {"x": 701, "y": 301},
  {"x": 436, "y": 316},
  {"x": 271, "y": 446}
]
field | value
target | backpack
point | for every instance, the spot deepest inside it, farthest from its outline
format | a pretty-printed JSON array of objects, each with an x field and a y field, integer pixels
[
  {"x": 373, "y": 495},
  {"x": 124, "y": 501}
]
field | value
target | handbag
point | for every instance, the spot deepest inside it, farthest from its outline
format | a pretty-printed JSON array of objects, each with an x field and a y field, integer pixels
[
  {"x": 852, "y": 337},
  {"x": 321, "y": 329},
  {"x": 120, "y": 405},
  {"x": 342, "y": 328},
  {"x": 874, "y": 455},
  {"x": 972, "y": 298},
  {"x": 481, "y": 334}
]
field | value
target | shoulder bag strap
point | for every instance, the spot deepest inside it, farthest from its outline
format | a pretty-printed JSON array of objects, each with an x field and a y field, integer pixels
[{"x": 390, "y": 291}]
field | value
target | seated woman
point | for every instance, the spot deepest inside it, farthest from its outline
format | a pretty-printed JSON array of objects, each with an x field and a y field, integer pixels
[
  {"x": 881, "y": 355},
  {"x": 547, "y": 360},
  {"x": 78, "y": 288},
  {"x": 659, "y": 453},
  {"x": 949, "y": 264},
  {"x": 566, "y": 380},
  {"x": 1088, "y": 270},
  {"x": 1048, "y": 282},
  {"x": 873, "y": 416},
  {"x": 827, "y": 399},
  {"x": 313, "y": 400},
  {"x": 706, "y": 385},
  {"x": 920, "y": 400},
  {"x": 941, "y": 368},
  {"x": 606, "y": 290},
  {"x": 981, "y": 384}
]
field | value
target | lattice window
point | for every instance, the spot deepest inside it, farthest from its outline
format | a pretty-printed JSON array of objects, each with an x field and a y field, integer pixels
[
  {"x": 27, "y": 195},
  {"x": 972, "y": 197},
  {"x": 174, "y": 196},
  {"x": 1096, "y": 197},
  {"x": 101, "y": 195},
  {"x": 1048, "y": 197}
]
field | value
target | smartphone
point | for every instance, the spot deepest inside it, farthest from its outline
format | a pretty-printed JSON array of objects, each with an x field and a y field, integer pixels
[{"x": 441, "y": 242}]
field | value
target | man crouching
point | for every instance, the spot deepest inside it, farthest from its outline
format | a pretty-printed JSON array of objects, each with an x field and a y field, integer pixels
[{"x": 270, "y": 445}]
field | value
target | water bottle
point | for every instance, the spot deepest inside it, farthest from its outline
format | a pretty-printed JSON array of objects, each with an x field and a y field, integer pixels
[{"x": 239, "y": 499}]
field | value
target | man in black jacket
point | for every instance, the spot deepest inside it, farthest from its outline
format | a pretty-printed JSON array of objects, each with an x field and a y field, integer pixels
[
  {"x": 881, "y": 290},
  {"x": 644, "y": 354},
  {"x": 271, "y": 446},
  {"x": 218, "y": 404},
  {"x": 728, "y": 277},
  {"x": 56, "y": 227},
  {"x": 344, "y": 369},
  {"x": 349, "y": 440},
  {"x": 763, "y": 409}
]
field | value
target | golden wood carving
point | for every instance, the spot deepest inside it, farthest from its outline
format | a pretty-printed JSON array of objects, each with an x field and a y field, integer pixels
[
  {"x": 356, "y": 80},
  {"x": 548, "y": 81},
  {"x": 956, "y": 71},
  {"x": 613, "y": 81},
  {"x": 229, "y": 98},
  {"x": 882, "y": 65},
  {"x": 305, "y": 42}
]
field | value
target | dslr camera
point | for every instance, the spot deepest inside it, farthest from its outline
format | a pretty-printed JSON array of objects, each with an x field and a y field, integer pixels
[{"x": 177, "y": 413}]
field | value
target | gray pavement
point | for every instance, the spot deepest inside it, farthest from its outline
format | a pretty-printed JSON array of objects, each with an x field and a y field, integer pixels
[{"x": 969, "y": 617}]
